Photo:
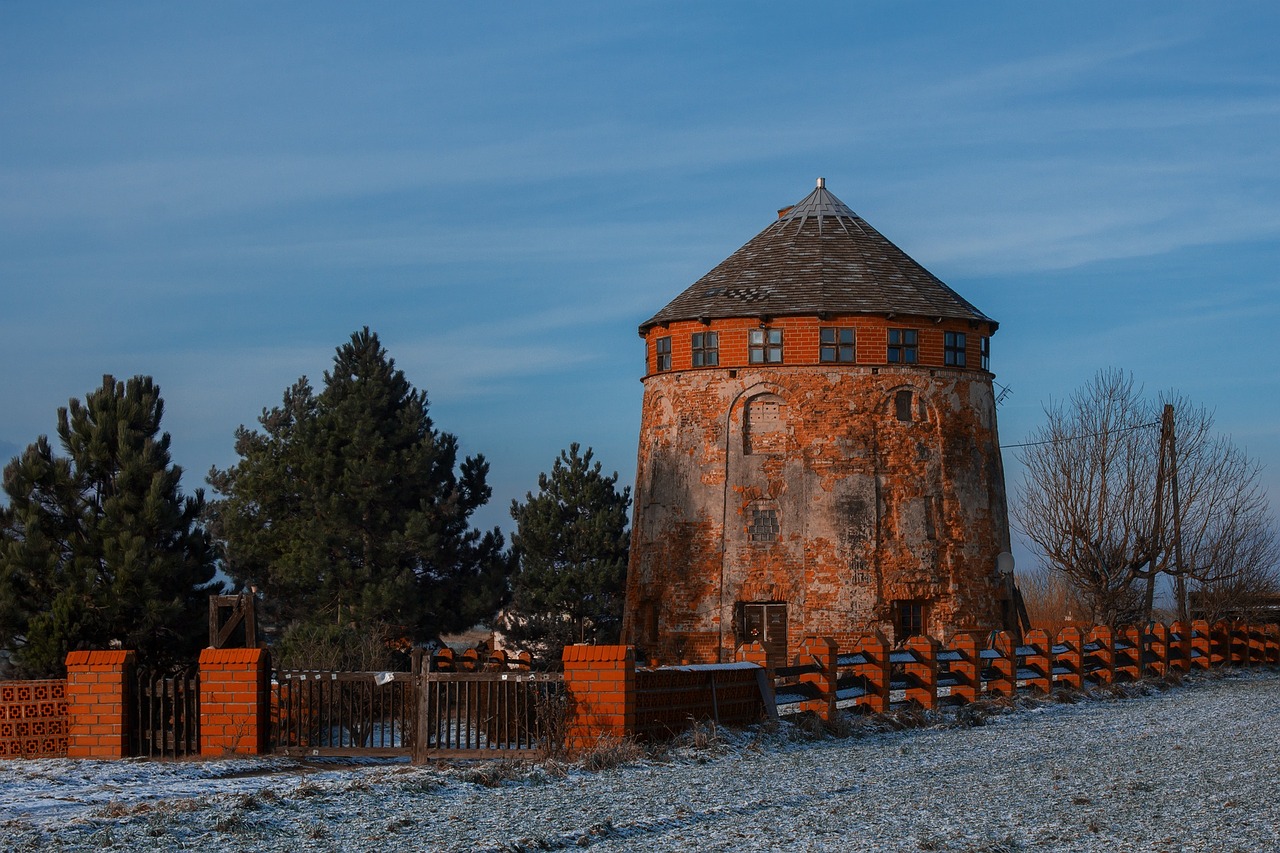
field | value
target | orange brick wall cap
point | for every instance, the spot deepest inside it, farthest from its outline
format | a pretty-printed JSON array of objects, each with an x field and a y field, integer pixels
[
  {"x": 577, "y": 654},
  {"x": 113, "y": 657},
  {"x": 243, "y": 656}
]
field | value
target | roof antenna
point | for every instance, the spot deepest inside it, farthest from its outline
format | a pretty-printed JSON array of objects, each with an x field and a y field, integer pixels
[{"x": 822, "y": 183}]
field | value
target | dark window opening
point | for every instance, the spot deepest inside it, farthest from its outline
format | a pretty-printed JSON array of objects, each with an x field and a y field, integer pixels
[
  {"x": 902, "y": 403},
  {"x": 706, "y": 349},
  {"x": 908, "y": 620},
  {"x": 903, "y": 346},
  {"x": 836, "y": 345},
  {"x": 953, "y": 348},
  {"x": 984, "y": 347},
  {"x": 764, "y": 525},
  {"x": 663, "y": 349},
  {"x": 764, "y": 346}
]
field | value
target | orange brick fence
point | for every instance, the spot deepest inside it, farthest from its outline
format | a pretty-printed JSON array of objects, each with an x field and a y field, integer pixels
[
  {"x": 607, "y": 695},
  {"x": 872, "y": 676},
  {"x": 33, "y": 719}
]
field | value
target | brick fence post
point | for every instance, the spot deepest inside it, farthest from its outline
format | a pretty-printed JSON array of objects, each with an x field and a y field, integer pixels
[
  {"x": 874, "y": 649},
  {"x": 1272, "y": 634},
  {"x": 923, "y": 673},
  {"x": 1158, "y": 649},
  {"x": 235, "y": 700},
  {"x": 1128, "y": 653},
  {"x": 601, "y": 684},
  {"x": 1180, "y": 646},
  {"x": 99, "y": 699},
  {"x": 1102, "y": 649},
  {"x": 1201, "y": 645},
  {"x": 1070, "y": 660},
  {"x": 1005, "y": 666},
  {"x": 966, "y": 669},
  {"x": 754, "y": 652},
  {"x": 822, "y": 651},
  {"x": 1039, "y": 661}
]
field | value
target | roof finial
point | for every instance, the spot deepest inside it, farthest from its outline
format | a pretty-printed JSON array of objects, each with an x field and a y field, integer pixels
[{"x": 822, "y": 183}]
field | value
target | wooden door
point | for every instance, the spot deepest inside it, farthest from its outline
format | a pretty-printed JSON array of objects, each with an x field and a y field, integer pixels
[{"x": 766, "y": 623}]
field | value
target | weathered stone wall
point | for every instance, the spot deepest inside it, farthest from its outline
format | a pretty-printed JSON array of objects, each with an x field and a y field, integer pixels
[{"x": 835, "y": 488}]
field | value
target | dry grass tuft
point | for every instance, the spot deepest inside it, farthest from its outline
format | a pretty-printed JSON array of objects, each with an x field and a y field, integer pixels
[{"x": 609, "y": 752}]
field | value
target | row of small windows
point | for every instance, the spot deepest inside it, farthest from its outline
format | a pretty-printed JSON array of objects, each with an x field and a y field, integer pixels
[{"x": 836, "y": 345}]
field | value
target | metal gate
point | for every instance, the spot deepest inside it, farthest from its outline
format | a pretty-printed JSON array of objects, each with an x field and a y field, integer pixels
[
  {"x": 343, "y": 713},
  {"x": 166, "y": 711},
  {"x": 490, "y": 715}
]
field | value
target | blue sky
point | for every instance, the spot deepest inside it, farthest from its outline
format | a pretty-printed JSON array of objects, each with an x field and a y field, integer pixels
[{"x": 218, "y": 194}]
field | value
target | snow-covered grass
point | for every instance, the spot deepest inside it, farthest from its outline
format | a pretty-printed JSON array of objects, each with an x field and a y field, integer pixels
[{"x": 1184, "y": 768}]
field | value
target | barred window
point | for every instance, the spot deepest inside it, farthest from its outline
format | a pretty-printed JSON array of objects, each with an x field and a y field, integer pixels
[
  {"x": 663, "y": 349},
  {"x": 764, "y": 525},
  {"x": 706, "y": 349},
  {"x": 953, "y": 348},
  {"x": 764, "y": 346},
  {"x": 903, "y": 346},
  {"x": 836, "y": 344}
]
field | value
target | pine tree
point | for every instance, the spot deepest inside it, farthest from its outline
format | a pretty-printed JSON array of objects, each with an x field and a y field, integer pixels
[
  {"x": 350, "y": 507},
  {"x": 99, "y": 546},
  {"x": 571, "y": 543}
]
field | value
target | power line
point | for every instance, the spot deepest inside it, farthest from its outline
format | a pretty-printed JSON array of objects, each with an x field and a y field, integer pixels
[{"x": 1080, "y": 437}]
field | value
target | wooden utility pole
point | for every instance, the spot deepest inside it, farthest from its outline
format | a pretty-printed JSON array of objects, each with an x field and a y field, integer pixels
[{"x": 1166, "y": 479}]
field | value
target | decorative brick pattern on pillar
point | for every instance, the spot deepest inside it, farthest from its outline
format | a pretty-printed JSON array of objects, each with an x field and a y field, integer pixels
[
  {"x": 1068, "y": 660},
  {"x": 601, "y": 683},
  {"x": 874, "y": 673},
  {"x": 1038, "y": 663},
  {"x": 235, "y": 696},
  {"x": 922, "y": 675},
  {"x": 98, "y": 703},
  {"x": 821, "y": 651},
  {"x": 33, "y": 719}
]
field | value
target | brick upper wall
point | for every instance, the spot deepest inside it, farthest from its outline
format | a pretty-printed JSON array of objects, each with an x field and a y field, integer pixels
[{"x": 801, "y": 340}]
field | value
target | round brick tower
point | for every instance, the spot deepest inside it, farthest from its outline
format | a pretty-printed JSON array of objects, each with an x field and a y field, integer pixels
[{"x": 818, "y": 450}]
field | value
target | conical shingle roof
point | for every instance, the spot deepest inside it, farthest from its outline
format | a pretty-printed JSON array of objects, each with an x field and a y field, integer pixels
[{"x": 818, "y": 257}]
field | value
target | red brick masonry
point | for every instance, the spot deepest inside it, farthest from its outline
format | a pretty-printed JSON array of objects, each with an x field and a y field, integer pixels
[
  {"x": 98, "y": 698},
  {"x": 235, "y": 694},
  {"x": 33, "y": 719}
]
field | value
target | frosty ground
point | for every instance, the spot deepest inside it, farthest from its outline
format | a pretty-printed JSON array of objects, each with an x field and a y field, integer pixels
[{"x": 1192, "y": 767}]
